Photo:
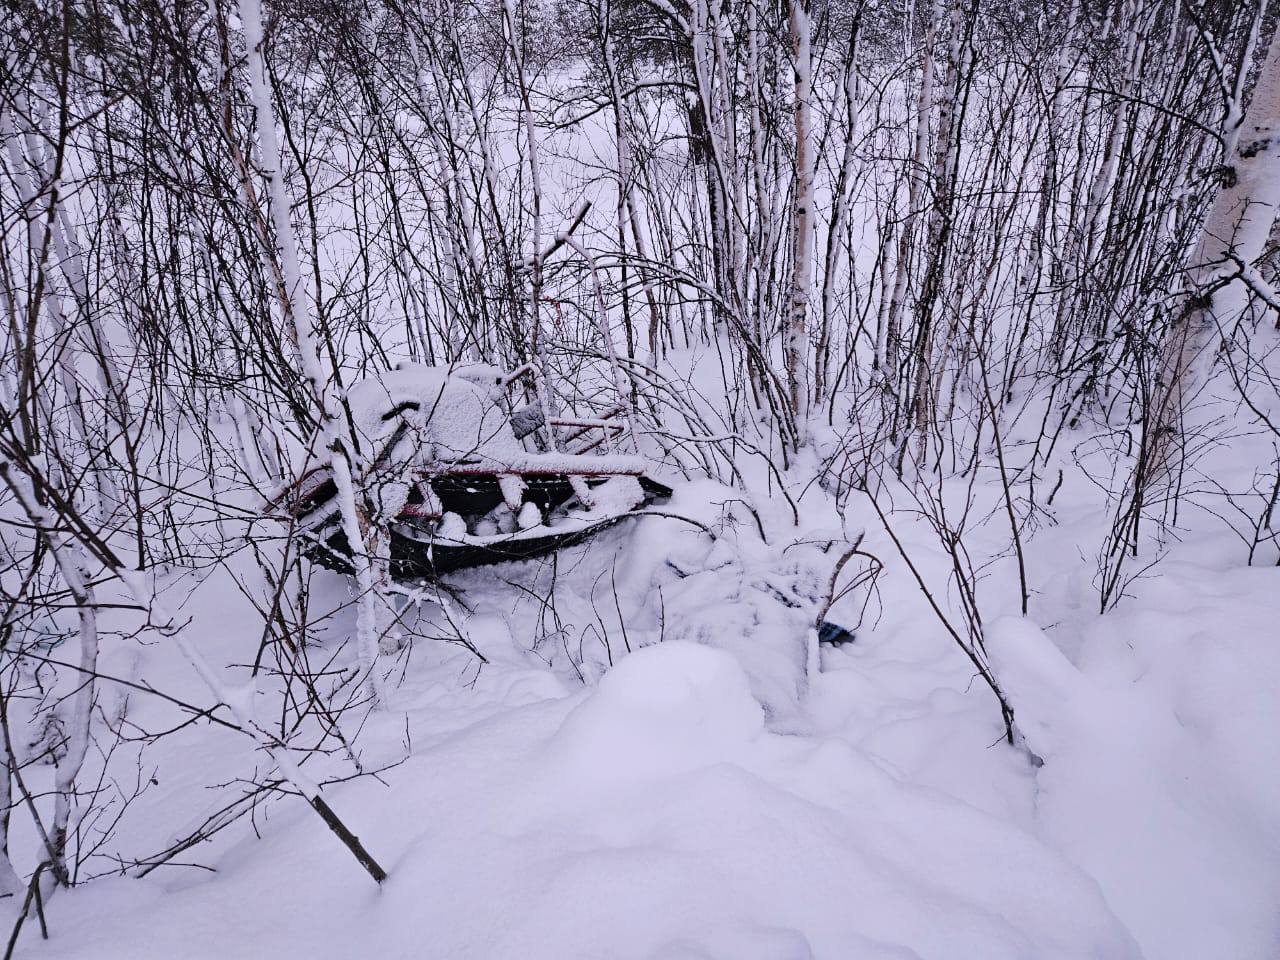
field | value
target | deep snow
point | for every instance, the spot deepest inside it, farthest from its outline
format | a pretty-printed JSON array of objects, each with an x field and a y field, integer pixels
[{"x": 705, "y": 797}]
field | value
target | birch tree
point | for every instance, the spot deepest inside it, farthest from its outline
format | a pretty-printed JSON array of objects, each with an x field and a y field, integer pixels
[
  {"x": 797, "y": 336},
  {"x": 370, "y": 548},
  {"x": 1221, "y": 271}
]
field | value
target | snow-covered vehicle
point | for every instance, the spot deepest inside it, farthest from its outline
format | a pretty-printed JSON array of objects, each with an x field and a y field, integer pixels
[{"x": 461, "y": 479}]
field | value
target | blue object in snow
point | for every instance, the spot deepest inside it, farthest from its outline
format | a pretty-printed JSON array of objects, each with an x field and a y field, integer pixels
[{"x": 834, "y": 634}]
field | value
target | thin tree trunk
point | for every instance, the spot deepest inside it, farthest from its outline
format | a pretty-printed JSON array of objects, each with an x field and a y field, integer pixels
[
  {"x": 368, "y": 556},
  {"x": 797, "y": 336},
  {"x": 1233, "y": 237}
]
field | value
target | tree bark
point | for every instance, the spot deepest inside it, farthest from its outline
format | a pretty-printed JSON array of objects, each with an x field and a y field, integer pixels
[
  {"x": 797, "y": 338},
  {"x": 1233, "y": 237}
]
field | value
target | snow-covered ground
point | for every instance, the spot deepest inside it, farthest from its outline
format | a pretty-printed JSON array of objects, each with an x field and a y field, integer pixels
[
  {"x": 706, "y": 795},
  {"x": 655, "y": 759}
]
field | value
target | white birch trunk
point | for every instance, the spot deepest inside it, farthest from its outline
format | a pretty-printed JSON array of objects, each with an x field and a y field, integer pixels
[
  {"x": 797, "y": 338},
  {"x": 1233, "y": 236},
  {"x": 628, "y": 218},
  {"x": 103, "y": 493},
  {"x": 72, "y": 564},
  {"x": 915, "y": 192},
  {"x": 839, "y": 214},
  {"x": 71, "y": 264},
  {"x": 516, "y": 44},
  {"x": 363, "y": 536}
]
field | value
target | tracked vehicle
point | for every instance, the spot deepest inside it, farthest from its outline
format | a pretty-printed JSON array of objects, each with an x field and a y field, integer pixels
[{"x": 463, "y": 477}]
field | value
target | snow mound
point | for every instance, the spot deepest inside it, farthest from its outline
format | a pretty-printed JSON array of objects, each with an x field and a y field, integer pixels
[
  {"x": 1133, "y": 791},
  {"x": 652, "y": 818},
  {"x": 1044, "y": 683},
  {"x": 667, "y": 709},
  {"x": 450, "y": 412},
  {"x": 758, "y": 603}
]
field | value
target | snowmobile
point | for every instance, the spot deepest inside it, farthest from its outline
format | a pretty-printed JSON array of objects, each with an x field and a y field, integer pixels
[{"x": 462, "y": 478}]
